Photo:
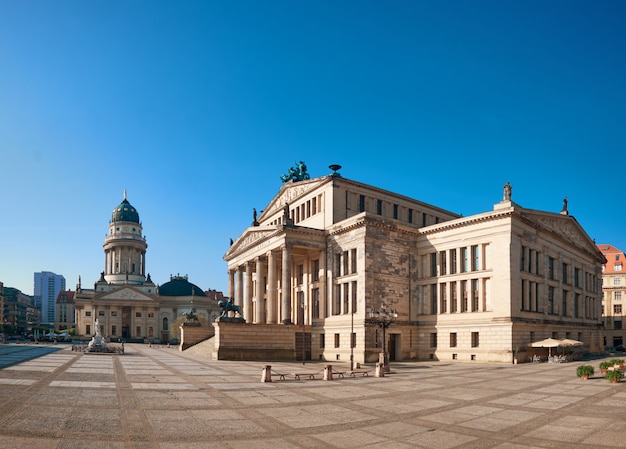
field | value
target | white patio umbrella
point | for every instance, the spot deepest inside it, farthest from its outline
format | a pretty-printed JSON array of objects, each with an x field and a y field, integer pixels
[
  {"x": 570, "y": 342},
  {"x": 547, "y": 343}
]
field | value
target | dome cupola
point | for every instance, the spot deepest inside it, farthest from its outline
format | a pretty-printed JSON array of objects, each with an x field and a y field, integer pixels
[{"x": 125, "y": 212}]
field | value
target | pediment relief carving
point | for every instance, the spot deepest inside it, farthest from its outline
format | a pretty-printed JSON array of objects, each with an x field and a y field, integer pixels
[
  {"x": 565, "y": 229},
  {"x": 290, "y": 194},
  {"x": 127, "y": 294}
]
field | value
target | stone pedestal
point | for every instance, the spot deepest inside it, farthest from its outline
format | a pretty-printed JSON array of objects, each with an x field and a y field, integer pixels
[
  {"x": 328, "y": 372},
  {"x": 267, "y": 373},
  {"x": 380, "y": 370}
]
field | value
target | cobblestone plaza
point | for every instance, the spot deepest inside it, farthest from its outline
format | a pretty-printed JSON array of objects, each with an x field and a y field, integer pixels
[{"x": 161, "y": 398}]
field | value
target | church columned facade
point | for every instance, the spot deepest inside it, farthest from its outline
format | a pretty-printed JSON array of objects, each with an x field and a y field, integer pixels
[
  {"x": 326, "y": 251},
  {"x": 125, "y": 301}
]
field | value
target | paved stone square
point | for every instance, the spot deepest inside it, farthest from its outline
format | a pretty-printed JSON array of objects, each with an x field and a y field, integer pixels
[{"x": 161, "y": 398}]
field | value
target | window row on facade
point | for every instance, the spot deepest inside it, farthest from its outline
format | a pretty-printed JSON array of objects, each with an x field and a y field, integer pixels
[
  {"x": 572, "y": 304},
  {"x": 534, "y": 262},
  {"x": 455, "y": 260},
  {"x": 468, "y": 295}
]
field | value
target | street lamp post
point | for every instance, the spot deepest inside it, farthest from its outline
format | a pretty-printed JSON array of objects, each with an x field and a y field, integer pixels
[{"x": 383, "y": 317}]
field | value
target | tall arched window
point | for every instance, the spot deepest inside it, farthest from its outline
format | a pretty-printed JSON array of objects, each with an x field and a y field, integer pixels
[{"x": 165, "y": 324}]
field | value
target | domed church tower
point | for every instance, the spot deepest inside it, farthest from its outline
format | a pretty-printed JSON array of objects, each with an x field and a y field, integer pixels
[{"x": 125, "y": 247}]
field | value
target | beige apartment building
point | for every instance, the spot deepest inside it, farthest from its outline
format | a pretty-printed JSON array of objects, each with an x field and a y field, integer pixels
[
  {"x": 613, "y": 295},
  {"x": 326, "y": 251},
  {"x": 125, "y": 302}
]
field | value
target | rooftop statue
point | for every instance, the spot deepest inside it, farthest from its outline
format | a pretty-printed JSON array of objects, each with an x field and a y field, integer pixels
[{"x": 297, "y": 173}]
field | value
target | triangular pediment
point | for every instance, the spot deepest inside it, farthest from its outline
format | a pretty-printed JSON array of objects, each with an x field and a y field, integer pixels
[
  {"x": 252, "y": 237},
  {"x": 125, "y": 293},
  {"x": 289, "y": 193},
  {"x": 565, "y": 226}
]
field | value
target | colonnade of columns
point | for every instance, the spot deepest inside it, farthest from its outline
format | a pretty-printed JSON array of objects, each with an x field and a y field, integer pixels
[{"x": 263, "y": 288}]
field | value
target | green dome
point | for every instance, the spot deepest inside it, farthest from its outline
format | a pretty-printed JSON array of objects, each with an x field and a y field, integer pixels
[
  {"x": 125, "y": 212},
  {"x": 180, "y": 286}
]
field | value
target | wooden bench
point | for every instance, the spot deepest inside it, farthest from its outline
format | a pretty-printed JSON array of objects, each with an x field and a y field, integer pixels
[
  {"x": 309, "y": 375},
  {"x": 281, "y": 376},
  {"x": 364, "y": 372},
  {"x": 339, "y": 373}
]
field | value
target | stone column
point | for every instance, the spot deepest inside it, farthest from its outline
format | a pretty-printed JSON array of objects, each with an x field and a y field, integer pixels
[
  {"x": 231, "y": 284},
  {"x": 239, "y": 289},
  {"x": 260, "y": 292},
  {"x": 285, "y": 286},
  {"x": 272, "y": 306},
  {"x": 322, "y": 283},
  {"x": 248, "y": 312}
]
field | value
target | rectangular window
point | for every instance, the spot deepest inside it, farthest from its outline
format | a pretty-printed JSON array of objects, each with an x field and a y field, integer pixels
[
  {"x": 475, "y": 339},
  {"x": 113, "y": 331},
  {"x": 453, "y": 261},
  {"x": 617, "y": 324},
  {"x": 88, "y": 313},
  {"x": 346, "y": 263},
  {"x": 577, "y": 277},
  {"x": 453, "y": 339},
  {"x": 338, "y": 264},
  {"x": 475, "y": 258},
  {"x": 475, "y": 302},
  {"x": 443, "y": 300},
  {"x": 322, "y": 341},
  {"x": 433, "y": 264},
  {"x": 453, "y": 297},
  {"x": 576, "y": 305},
  {"x": 564, "y": 303},
  {"x": 617, "y": 296},
  {"x": 379, "y": 207},
  {"x": 617, "y": 281},
  {"x": 551, "y": 300},
  {"x": 443, "y": 263},
  {"x": 316, "y": 270},
  {"x": 564, "y": 270},
  {"x": 353, "y": 260},
  {"x": 617, "y": 309},
  {"x": 100, "y": 312},
  {"x": 88, "y": 329},
  {"x": 138, "y": 331},
  {"x": 150, "y": 314},
  {"x": 424, "y": 220},
  {"x": 433, "y": 339},
  {"x": 315, "y": 293},
  {"x": 353, "y": 290},
  {"x": 550, "y": 268},
  {"x": 361, "y": 203},
  {"x": 395, "y": 211},
  {"x": 410, "y": 216},
  {"x": 337, "y": 300},
  {"x": 346, "y": 298},
  {"x": 433, "y": 299},
  {"x": 464, "y": 260},
  {"x": 522, "y": 262},
  {"x": 300, "y": 274},
  {"x": 464, "y": 296},
  {"x": 114, "y": 313},
  {"x": 137, "y": 314},
  {"x": 337, "y": 341}
]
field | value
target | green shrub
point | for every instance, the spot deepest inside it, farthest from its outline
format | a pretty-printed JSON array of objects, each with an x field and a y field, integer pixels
[
  {"x": 584, "y": 371},
  {"x": 614, "y": 375},
  {"x": 604, "y": 365}
]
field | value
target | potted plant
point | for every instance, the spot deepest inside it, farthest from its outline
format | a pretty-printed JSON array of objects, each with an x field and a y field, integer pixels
[
  {"x": 515, "y": 351},
  {"x": 604, "y": 366},
  {"x": 618, "y": 362},
  {"x": 584, "y": 371},
  {"x": 614, "y": 376}
]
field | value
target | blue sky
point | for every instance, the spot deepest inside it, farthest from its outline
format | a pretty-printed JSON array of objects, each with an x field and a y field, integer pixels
[{"x": 197, "y": 107}]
